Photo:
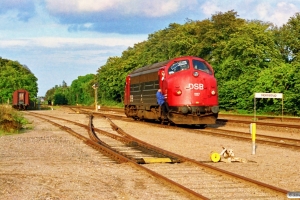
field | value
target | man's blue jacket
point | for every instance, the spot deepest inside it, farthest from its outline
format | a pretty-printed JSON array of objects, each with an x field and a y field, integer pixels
[{"x": 160, "y": 98}]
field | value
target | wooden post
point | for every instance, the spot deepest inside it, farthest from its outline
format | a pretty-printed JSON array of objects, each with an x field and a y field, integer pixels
[{"x": 95, "y": 86}]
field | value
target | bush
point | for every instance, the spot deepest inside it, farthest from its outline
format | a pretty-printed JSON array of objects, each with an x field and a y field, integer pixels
[{"x": 11, "y": 120}]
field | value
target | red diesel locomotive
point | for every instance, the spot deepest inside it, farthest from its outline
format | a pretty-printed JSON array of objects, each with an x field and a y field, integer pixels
[
  {"x": 190, "y": 87},
  {"x": 21, "y": 99}
]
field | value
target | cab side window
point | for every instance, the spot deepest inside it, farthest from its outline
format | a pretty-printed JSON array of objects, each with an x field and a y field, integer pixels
[{"x": 198, "y": 65}]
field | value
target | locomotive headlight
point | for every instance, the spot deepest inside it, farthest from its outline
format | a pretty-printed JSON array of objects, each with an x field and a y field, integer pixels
[
  {"x": 196, "y": 74},
  {"x": 213, "y": 92},
  {"x": 178, "y": 92}
]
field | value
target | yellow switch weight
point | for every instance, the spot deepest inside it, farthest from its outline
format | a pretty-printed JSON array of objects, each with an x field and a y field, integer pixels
[{"x": 215, "y": 157}]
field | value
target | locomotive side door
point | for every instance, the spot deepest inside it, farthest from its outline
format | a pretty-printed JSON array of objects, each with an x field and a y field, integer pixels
[
  {"x": 163, "y": 83},
  {"x": 127, "y": 95},
  {"x": 21, "y": 98}
]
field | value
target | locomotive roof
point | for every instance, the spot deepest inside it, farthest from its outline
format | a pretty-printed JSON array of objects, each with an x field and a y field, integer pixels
[
  {"x": 148, "y": 68},
  {"x": 154, "y": 67}
]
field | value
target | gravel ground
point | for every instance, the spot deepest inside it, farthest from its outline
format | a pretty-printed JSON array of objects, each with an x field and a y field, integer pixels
[
  {"x": 47, "y": 163},
  {"x": 272, "y": 165}
]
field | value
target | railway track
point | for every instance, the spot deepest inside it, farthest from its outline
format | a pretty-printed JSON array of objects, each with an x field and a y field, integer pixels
[
  {"x": 197, "y": 180},
  {"x": 273, "y": 119},
  {"x": 288, "y": 122},
  {"x": 238, "y": 135},
  {"x": 272, "y": 124},
  {"x": 222, "y": 117},
  {"x": 261, "y": 139}
]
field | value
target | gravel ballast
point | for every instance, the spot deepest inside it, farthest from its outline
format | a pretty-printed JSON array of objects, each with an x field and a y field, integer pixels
[{"x": 48, "y": 163}]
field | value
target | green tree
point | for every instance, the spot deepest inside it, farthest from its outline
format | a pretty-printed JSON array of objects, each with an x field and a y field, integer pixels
[
  {"x": 81, "y": 91},
  {"x": 212, "y": 35},
  {"x": 58, "y": 94},
  {"x": 283, "y": 78},
  {"x": 60, "y": 99},
  {"x": 248, "y": 52},
  {"x": 288, "y": 39},
  {"x": 14, "y": 76}
]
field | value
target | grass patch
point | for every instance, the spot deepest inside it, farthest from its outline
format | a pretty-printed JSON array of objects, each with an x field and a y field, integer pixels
[
  {"x": 46, "y": 107},
  {"x": 11, "y": 120},
  {"x": 110, "y": 103}
]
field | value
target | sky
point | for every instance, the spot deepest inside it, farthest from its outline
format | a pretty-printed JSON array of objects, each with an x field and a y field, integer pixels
[{"x": 59, "y": 40}]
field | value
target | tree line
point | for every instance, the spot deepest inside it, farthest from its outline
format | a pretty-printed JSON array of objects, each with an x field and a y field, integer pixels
[
  {"x": 248, "y": 56},
  {"x": 80, "y": 92}
]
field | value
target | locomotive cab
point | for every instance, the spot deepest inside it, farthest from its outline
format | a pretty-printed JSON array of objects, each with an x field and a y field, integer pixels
[{"x": 192, "y": 91}]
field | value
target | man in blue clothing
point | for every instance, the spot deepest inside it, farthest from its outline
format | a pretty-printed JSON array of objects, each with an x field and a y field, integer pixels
[{"x": 161, "y": 101}]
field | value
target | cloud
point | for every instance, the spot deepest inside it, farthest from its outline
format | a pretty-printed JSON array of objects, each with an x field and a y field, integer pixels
[
  {"x": 277, "y": 12},
  {"x": 145, "y": 8},
  {"x": 25, "y": 8},
  {"x": 60, "y": 42},
  {"x": 282, "y": 12},
  {"x": 119, "y": 16},
  {"x": 210, "y": 7}
]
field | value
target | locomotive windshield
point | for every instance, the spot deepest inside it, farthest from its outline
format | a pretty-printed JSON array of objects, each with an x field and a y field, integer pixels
[
  {"x": 201, "y": 66},
  {"x": 179, "y": 66}
]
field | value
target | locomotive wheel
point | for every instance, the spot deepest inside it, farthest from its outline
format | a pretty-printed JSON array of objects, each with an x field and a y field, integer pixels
[{"x": 202, "y": 126}]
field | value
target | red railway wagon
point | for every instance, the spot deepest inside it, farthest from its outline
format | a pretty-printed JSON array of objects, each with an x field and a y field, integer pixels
[
  {"x": 189, "y": 84},
  {"x": 21, "y": 99}
]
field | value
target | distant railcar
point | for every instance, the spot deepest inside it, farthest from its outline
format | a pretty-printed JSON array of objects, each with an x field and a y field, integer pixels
[
  {"x": 21, "y": 99},
  {"x": 189, "y": 84}
]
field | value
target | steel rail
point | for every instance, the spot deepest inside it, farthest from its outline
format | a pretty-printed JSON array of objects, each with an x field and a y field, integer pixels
[
  {"x": 260, "y": 139},
  {"x": 261, "y": 184},
  {"x": 121, "y": 159},
  {"x": 286, "y": 125},
  {"x": 108, "y": 152},
  {"x": 182, "y": 158},
  {"x": 235, "y": 135}
]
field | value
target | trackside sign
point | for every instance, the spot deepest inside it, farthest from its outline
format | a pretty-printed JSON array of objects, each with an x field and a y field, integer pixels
[{"x": 269, "y": 95}]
